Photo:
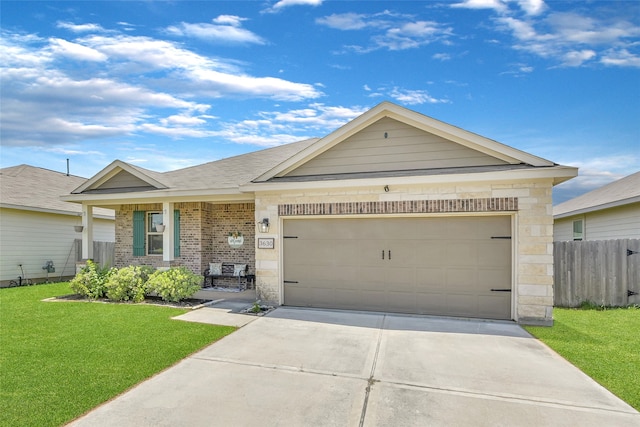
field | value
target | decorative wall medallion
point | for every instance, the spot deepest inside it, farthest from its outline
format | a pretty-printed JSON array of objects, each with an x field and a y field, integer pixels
[{"x": 235, "y": 239}]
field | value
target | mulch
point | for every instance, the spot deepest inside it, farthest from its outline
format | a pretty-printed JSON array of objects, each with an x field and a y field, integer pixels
[{"x": 151, "y": 300}]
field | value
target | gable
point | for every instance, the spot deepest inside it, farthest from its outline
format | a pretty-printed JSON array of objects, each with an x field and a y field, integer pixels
[
  {"x": 123, "y": 180},
  {"x": 120, "y": 177},
  {"x": 391, "y": 145}
]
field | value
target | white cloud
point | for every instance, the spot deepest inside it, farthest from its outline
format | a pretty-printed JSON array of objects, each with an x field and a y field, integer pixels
[
  {"x": 389, "y": 30},
  {"x": 75, "y": 51},
  {"x": 576, "y": 58},
  {"x": 80, "y": 28},
  {"x": 232, "y": 20},
  {"x": 621, "y": 58},
  {"x": 51, "y": 98},
  {"x": 344, "y": 21},
  {"x": 281, "y": 4},
  {"x": 225, "y": 28},
  {"x": 413, "y": 97},
  {"x": 532, "y": 7},
  {"x": 272, "y": 128},
  {"x": 497, "y": 5},
  {"x": 571, "y": 39}
]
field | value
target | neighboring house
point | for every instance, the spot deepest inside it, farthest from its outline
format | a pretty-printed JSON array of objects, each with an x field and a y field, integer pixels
[
  {"x": 606, "y": 213},
  {"x": 36, "y": 226},
  {"x": 394, "y": 211}
]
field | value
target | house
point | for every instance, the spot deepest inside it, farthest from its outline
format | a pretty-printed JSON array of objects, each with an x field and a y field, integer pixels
[
  {"x": 606, "y": 213},
  {"x": 394, "y": 211},
  {"x": 37, "y": 227}
]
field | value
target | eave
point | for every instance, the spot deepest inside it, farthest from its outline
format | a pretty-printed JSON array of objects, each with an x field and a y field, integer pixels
[
  {"x": 604, "y": 206},
  {"x": 557, "y": 174}
]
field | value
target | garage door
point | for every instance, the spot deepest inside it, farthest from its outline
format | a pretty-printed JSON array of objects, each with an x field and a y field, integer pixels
[{"x": 458, "y": 266}]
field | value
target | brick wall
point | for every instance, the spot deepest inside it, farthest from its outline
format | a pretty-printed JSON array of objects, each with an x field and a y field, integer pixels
[{"x": 204, "y": 228}]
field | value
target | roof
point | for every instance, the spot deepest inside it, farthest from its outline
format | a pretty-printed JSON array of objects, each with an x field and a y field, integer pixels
[
  {"x": 37, "y": 189},
  {"x": 235, "y": 178},
  {"x": 420, "y": 121},
  {"x": 618, "y": 193},
  {"x": 227, "y": 173}
]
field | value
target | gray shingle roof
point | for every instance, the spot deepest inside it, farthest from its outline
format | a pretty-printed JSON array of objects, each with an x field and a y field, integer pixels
[
  {"x": 617, "y": 193},
  {"x": 33, "y": 188},
  {"x": 233, "y": 171}
]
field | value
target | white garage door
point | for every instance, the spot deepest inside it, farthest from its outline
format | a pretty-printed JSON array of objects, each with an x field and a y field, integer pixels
[{"x": 457, "y": 266}]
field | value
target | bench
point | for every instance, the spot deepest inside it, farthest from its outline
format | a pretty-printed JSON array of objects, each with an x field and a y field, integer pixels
[{"x": 227, "y": 270}]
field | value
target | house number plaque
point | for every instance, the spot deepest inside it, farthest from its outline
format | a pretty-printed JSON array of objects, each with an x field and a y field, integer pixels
[{"x": 265, "y": 243}]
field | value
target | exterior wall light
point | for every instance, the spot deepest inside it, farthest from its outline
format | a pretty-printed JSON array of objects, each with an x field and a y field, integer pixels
[{"x": 263, "y": 226}]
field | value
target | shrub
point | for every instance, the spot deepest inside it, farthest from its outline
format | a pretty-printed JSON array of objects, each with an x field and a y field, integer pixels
[
  {"x": 128, "y": 283},
  {"x": 90, "y": 281},
  {"x": 175, "y": 284}
]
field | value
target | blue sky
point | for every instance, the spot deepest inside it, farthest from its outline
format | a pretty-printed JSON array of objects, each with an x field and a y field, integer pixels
[{"x": 166, "y": 85}]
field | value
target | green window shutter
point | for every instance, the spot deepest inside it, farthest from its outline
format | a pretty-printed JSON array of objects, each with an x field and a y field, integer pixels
[
  {"x": 176, "y": 233},
  {"x": 138, "y": 233}
]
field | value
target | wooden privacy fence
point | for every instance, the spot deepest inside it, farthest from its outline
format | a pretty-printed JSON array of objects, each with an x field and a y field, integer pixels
[
  {"x": 604, "y": 272},
  {"x": 103, "y": 252}
]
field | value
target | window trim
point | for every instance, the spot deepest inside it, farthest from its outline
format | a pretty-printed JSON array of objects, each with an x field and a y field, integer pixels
[
  {"x": 577, "y": 236},
  {"x": 148, "y": 232}
]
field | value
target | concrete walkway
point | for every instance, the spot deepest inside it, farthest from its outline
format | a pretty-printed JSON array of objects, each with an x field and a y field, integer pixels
[{"x": 300, "y": 367}]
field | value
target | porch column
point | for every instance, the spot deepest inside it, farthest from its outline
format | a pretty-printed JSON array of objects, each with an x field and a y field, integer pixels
[
  {"x": 168, "y": 243},
  {"x": 87, "y": 231}
]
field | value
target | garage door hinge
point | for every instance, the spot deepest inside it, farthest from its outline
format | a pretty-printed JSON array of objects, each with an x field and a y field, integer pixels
[
  {"x": 289, "y": 237},
  {"x": 501, "y": 237},
  {"x": 290, "y": 281}
]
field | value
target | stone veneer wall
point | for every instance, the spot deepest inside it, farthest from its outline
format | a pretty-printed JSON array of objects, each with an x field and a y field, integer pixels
[
  {"x": 204, "y": 228},
  {"x": 533, "y": 237}
]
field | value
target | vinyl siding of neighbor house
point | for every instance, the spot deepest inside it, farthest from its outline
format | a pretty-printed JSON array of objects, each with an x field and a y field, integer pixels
[
  {"x": 621, "y": 222},
  {"x": 31, "y": 238},
  {"x": 389, "y": 145}
]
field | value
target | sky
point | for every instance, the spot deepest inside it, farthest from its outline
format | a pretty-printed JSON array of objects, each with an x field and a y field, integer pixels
[{"x": 170, "y": 84}]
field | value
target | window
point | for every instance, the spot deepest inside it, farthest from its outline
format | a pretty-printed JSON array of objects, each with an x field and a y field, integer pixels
[
  {"x": 147, "y": 240},
  {"x": 578, "y": 229},
  {"x": 154, "y": 237}
]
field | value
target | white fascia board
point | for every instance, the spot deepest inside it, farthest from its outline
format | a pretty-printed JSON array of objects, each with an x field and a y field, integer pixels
[
  {"x": 52, "y": 211},
  {"x": 557, "y": 173},
  {"x": 210, "y": 195},
  {"x": 604, "y": 206},
  {"x": 113, "y": 169}
]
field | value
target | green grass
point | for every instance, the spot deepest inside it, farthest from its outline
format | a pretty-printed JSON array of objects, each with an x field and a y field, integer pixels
[
  {"x": 604, "y": 344},
  {"x": 60, "y": 359}
]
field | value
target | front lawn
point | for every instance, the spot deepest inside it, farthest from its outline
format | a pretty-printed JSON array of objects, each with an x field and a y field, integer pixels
[
  {"x": 605, "y": 344},
  {"x": 60, "y": 359}
]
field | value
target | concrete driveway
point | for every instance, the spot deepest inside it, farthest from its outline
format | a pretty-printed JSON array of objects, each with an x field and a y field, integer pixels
[{"x": 300, "y": 367}]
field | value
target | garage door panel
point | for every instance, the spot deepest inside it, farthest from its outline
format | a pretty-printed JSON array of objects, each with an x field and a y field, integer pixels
[
  {"x": 460, "y": 253},
  {"x": 442, "y": 266},
  {"x": 494, "y": 253},
  {"x": 493, "y": 278}
]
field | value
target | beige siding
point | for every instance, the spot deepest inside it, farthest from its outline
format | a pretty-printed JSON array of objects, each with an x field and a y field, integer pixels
[
  {"x": 32, "y": 238},
  {"x": 616, "y": 223},
  {"x": 404, "y": 148},
  {"x": 563, "y": 228},
  {"x": 124, "y": 180}
]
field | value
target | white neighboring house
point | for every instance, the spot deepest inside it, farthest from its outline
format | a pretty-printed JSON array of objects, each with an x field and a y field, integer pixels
[
  {"x": 36, "y": 226},
  {"x": 607, "y": 213}
]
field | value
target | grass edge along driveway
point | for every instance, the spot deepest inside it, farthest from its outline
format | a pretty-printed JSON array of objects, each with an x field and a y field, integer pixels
[
  {"x": 58, "y": 360},
  {"x": 604, "y": 344}
]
